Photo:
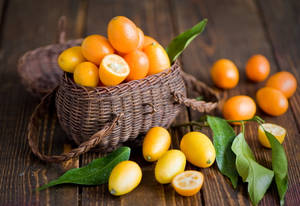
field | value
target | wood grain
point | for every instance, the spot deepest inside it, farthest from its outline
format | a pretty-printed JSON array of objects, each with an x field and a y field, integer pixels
[
  {"x": 236, "y": 30},
  {"x": 27, "y": 26},
  {"x": 280, "y": 19},
  {"x": 229, "y": 34}
]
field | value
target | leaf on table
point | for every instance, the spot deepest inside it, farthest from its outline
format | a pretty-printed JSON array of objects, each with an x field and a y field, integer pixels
[
  {"x": 258, "y": 177},
  {"x": 223, "y": 138},
  {"x": 179, "y": 43},
  {"x": 279, "y": 165},
  {"x": 95, "y": 173}
]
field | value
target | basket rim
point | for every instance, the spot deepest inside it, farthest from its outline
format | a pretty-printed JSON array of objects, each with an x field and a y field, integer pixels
[{"x": 111, "y": 90}]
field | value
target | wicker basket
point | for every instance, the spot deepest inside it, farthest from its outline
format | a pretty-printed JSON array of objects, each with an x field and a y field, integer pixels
[{"x": 106, "y": 117}]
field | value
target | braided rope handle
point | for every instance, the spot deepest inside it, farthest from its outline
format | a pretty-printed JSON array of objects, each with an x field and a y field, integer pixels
[
  {"x": 201, "y": 106},
  {"x": 82, "y": 148}
]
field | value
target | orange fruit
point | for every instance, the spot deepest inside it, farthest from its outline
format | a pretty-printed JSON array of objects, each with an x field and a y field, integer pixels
[
  {"x": 70, "y": 58},
  {"x": 95, "y": 47},
  {"x": 198, "y": 149},
  {"x": 156, "y": 143},
  {"x": 257, "y": 68},
  {"x": 148, "y": 40},
  {"x": 138, "y": 63},
  {"x": 124, "y": 178},
  {"x": 170, "y": 164},
  {"x": 239, "y": 108},
  {"x": 188, "y": 183},
  {"x": 141, "y": 38},
  {"x": 277, "y": 131},
  {"x": 86, "y": 74},
  {"x": 224, "y": 74},
  {"x": 123, "y": 34},
  {"x": 283, "y": 81},
  {"x": 158, "y": 58},
  {"x": 113, "y": 70},
  {"x": 271, "y": 101}
]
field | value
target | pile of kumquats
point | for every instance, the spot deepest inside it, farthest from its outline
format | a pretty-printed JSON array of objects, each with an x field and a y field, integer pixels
[
  {"x": 126, "y": 55},
  {"x": 272, "y": 98}
]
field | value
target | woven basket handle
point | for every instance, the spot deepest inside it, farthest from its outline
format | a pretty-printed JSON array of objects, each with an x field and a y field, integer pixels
[
  {"x": 33, "y": 135},
  {"x": 61, "y": 30},
  {"x": 194, "y": 84}
]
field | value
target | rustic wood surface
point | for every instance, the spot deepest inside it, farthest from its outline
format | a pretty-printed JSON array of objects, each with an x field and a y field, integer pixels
[{"x": 236, "y": 30}]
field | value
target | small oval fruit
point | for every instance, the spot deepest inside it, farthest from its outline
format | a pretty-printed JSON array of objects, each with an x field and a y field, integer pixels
[
  {"x": 141, "y": 38},
  {"x": 283, "y": 81},
  {"x": 169, "y": 165},
  {"x": 277, "y": 131},
  {"x": 198, "y": 149},
  {"x": 70, "y": 58},
  {"x": 188, "y": 183},
  {"x": 123, "y": 34},
  {"x": 86, "y": 74},
  {"x": 95, "y": 47},
  {"x": 257, "y": 68},
  {"x": 239, "y": 107},
  {"x": 224, "y": 74},
  {"x": 271, "y": 101},
  {"x": 158, "y": 58},
  {"x": 138, "y": 63},
  {"x": 156, "y": 143},
  {"x": 113, "y": 70},
  {"x": 124, "y": 178},
  {"x": 148, "y": 40}
]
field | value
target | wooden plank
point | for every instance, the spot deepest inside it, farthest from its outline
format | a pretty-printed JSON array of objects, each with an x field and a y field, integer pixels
[
  {"x": 27, "y": 26},
  {"x": 145, "y": 15},
  {"x": 235, "y": 31},
  {"x": 282, "y": 26},
  {"x": 3, "y": 5}
]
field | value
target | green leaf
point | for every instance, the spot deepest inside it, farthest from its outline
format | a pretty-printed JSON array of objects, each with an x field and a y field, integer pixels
[
  {"x": 279, "y": 165},
  {"x": 223, "y": 138},
  {"x": 179, "y": 43},
  {"x": 95, "y": 173},
  {"x": 258, "y": 177}
]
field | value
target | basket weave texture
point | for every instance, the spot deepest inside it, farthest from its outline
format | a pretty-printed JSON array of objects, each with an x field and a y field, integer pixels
[
  {"x": 39, "y": 70},
  {"x": 144, "y": 104}
]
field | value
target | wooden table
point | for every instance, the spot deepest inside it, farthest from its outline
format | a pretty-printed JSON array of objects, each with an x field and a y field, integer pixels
[{"x": 236, "y": 30}]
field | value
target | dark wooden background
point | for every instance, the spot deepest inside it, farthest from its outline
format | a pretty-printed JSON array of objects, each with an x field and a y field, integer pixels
[{"x": 236, "y": 29}]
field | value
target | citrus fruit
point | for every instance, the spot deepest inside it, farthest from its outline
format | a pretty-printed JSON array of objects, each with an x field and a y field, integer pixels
[
  {"x": 70, "y": 58},
  {"x": 257, "y": 68},
  {"x": 271, "y": 101},
  {"x": 156, "y": 143},
  {"x": 148, "y": 40},
  {"x": 124, "y": 178},
  {"x": 95, "y": 47},
  {"x": 283, "y": 81},
  {"x": 239, "y": 107},
  {"x": 113, "y": 70},
  {"x": 158, "y": 58},
  {"x": 123, "y": 34},
  {"x": 169, "y": 165},
  {"x": 188, "y": 183},
  {"x": 86, "y": 74},
  {"x": 224, "y": 74},
  {"x": 198, "y": 149},
  {"x": 138, "y": 63},
  {"x": 141, "y": 38},
  {"x": 277, "y": 131}
]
